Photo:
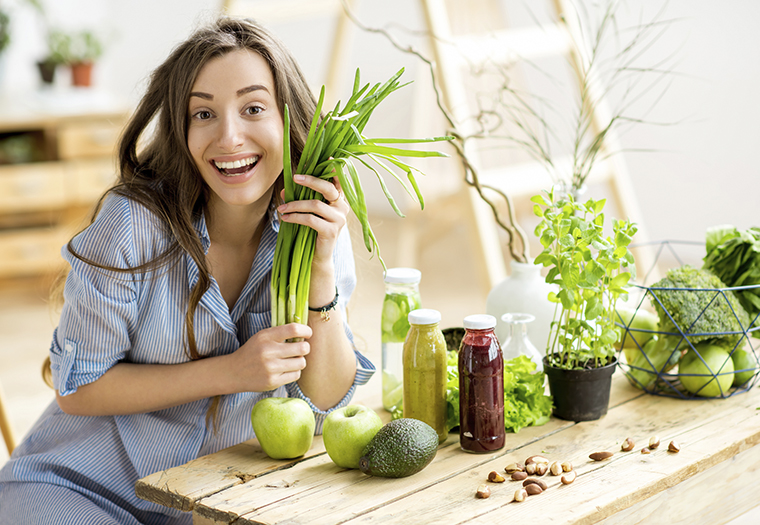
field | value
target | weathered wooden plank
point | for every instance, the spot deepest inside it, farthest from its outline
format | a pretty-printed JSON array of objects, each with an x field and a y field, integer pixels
[
  {"x": 602, "y": 489},
  {"x": 347, "y": 492},
  {"x": 717, "y": 495},
  {"x": 180, "y": 487}
]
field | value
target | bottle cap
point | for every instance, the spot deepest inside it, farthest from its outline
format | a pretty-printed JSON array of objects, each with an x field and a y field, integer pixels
[
  {"x": 424, "y": 316},
  {"x": 402, "y": 275},
  {"x": 479, "y": 322}
]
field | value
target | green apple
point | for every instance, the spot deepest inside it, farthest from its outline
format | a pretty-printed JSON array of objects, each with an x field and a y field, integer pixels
[
  {"x": 347, "y": 431},
  {"x": 635, "y": 320},
  {"x": 284, "y": 426},
  {"x": 744, "y": 360},
  {"x": 703, "y": 382}
]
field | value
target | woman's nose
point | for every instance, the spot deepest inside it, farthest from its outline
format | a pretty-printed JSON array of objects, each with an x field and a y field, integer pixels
[{"x": 231, "y": 133}]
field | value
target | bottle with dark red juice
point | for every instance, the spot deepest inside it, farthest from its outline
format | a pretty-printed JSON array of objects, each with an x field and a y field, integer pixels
[{"x": 481, "y": 387}]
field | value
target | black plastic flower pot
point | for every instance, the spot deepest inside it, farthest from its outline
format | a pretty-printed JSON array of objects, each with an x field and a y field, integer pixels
[{"x": 580, "y": 395}]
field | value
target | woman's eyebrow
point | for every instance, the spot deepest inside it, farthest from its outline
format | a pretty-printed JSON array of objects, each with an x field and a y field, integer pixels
[
  {"x": 200, "y": 94},
  {"x": 253, "y": 87}
]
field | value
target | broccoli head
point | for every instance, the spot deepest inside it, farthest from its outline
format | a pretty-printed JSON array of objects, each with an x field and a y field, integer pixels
[{"x": 701, "y": 310}]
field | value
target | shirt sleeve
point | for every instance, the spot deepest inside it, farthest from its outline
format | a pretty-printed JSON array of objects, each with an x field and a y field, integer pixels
[
  {"x": 345, "y": 276},
  {"x": 99, "y": 305}
]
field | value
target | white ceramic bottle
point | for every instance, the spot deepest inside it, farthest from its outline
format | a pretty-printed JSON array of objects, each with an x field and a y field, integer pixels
[{"x": 523, "y": 291}]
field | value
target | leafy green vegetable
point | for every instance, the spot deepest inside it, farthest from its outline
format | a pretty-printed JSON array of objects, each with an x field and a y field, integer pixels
[
  {"x": 332, "y": 145},
  {"x": 525, "y": 401},
  {"x": 734, "y": 256},
  {"x": 693, "y": 302}
]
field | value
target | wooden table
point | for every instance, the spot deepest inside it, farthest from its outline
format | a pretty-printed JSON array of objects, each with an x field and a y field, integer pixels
[{"x": 715, "y": 477}]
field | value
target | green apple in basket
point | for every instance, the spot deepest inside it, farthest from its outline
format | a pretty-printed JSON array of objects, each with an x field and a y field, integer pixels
[
  {"x": 347, "y": 431},
  {"x": 709, "y": 373},
  {"x": 284, "y": 426}
]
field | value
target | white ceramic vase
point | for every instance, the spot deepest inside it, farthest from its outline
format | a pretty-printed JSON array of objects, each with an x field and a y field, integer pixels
[{"x": 523, "y": 291}]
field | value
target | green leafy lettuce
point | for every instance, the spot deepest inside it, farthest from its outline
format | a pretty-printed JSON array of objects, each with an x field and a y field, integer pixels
[
  {"x": 525, "y": 401},
  {"x": 734, "y": 256}
]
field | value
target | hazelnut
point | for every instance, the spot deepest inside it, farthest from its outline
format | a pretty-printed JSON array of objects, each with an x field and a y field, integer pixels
[
  {"x": 654, "y": 442},
  {"x": 645, "y": 450},
  {"x": 483, "y": 492},
  {"x": 556, "y": 468},
  {"x": 495, "y": 477},
  {"x": 541, "y": 468},
  {"x": 521, "y": 495},
  {"x": 533, "y": 489},
  {"x": 674, "y": 447},
  {"x": 514, "y": 467},
  {"x": 530, "y": 468},
  {"x": 627, "y": 445},
  {"x": 567, "y": 466},
  {"x": 519, "y": 475}
]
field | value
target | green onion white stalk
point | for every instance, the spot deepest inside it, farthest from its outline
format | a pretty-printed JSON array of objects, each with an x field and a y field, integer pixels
[{"x": 333, "y": 144}]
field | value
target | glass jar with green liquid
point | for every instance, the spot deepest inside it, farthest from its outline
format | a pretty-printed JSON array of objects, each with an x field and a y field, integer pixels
[
  {"x": 425, "y": 371},
  {"x": 402, "y": 295}
]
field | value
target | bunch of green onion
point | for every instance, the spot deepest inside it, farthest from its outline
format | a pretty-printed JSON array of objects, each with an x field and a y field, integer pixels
[{"x": 333, "y": 143}]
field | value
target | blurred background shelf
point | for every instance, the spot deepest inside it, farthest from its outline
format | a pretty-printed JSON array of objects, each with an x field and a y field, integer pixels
[{"x": 56, "y": 159}]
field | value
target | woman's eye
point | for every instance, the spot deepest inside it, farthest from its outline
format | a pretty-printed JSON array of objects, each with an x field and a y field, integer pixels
[
  {"x": 253, "y": 110},
  {"x": 202, "y": 115}
]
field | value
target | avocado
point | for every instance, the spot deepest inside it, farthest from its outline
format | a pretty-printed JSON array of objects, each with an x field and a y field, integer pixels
[{"x": 400, "y": 448}]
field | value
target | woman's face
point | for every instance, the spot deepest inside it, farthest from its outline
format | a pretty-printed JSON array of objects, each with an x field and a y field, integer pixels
[{"x": 235, "y": 131}]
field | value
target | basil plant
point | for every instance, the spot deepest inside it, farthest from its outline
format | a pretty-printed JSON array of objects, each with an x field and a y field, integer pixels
[{"x": 591, "y": 271}]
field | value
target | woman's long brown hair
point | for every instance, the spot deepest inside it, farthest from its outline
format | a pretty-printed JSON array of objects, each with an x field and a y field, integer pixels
[{"x": 162, "y": 175}]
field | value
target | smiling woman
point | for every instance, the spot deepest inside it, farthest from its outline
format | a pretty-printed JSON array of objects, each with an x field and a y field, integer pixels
[
  {"x": 235, "y": 132},
  {"x": 165, "y": 338}
]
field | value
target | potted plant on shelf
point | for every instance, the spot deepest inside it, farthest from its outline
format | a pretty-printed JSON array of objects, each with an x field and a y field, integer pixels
[
  {"x": 591, "y": 271},
  {"x": 85, "y": 48},
  {"x": 59, "y": 52}
]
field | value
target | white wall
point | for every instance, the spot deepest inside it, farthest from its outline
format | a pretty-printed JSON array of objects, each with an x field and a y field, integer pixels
[{"x": 701, "y": 172}]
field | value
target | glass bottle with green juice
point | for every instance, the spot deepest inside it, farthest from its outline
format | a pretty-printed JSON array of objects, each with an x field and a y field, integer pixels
[
  {"x": 425, "y": 371},
  {"x": 402, "y": 295}
]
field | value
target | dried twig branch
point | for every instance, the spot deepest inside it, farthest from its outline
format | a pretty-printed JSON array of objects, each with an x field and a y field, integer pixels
[{"x": 512, "y": 228}]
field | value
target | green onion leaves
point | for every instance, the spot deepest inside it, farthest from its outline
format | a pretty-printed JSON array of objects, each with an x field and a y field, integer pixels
[{"x": 334, "y": 142}]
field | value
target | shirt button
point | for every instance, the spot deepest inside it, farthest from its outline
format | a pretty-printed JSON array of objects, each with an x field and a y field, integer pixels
[{"x": 69, "y": 347}]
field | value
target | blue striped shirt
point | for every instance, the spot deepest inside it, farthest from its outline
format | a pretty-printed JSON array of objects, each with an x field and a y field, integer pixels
[{"x": 110, "y": 317}]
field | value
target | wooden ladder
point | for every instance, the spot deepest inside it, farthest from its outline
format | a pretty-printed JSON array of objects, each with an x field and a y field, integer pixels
[{"x": 453, "y": 53}]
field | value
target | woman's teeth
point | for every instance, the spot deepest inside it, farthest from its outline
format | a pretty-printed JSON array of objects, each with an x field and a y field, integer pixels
[{"x": 236, "y": 167}]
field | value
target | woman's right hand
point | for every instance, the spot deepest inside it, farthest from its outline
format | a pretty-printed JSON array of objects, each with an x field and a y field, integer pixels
[{"x": 267, "y": 360}]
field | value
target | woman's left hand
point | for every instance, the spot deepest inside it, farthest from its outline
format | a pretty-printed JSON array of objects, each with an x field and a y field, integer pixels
[{"x": 327, "y": 217}]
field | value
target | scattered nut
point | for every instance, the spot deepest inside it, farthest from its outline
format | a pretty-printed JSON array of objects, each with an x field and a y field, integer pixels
[
  {"x": 521, "y": 495},
  {"x": 536, "y": 459},
  {"x": 533, "y": 489},
  {"x": 567, "y": 466},
  {"x": 483, "y": 492},
  {"x": 674, "y": 447},
  {"x": 514, "y": 467},
  {"x": 495, "y": 477},
  {"x": 556, "y": 469},
  {"x": 534, "y": 481},
  {"x": 654, "y": 442},
  {"x": 645, "y": 450},
  {"x": 568, "y": 478},
  {"x": 627, "y": 445},
  {"x": 541, "y": 469},
  {"x": 519, "y": 475},
  {"x": 530, "y": 468},
  {"x": 601, "y": 456}
]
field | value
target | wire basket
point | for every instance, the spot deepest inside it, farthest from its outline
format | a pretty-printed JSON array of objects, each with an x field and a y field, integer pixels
[{"x": 714, "y": 371}]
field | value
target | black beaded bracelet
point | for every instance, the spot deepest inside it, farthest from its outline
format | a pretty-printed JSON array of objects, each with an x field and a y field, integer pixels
[{"x": 325, "y": 310}]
